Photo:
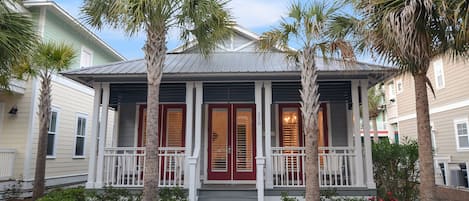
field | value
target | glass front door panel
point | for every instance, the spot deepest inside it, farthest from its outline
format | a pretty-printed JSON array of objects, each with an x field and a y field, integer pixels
[
  {"x": 290, "y": 127},
  {"x": 219, "y": 140},
  {"x": 244, "y": 143},
  {"x": 174, "y": 127}
]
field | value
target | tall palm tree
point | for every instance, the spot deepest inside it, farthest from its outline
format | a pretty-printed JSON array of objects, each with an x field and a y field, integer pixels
[
  {"x": 206, "y": 20},
  {"x": 375, "y": 97},
  {"x": 46, "y": 59},
  {"x": 409, "y": 34},
  {"x": 17, "y": 38},
  {"x": 308, "y": 25}
]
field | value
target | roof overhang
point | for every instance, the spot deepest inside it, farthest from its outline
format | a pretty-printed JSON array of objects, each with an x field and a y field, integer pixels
[{"x": 56, "y": 9}]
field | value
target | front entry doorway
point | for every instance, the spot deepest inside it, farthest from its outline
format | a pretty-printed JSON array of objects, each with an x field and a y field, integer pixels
[{"x": 231, "y": 142}]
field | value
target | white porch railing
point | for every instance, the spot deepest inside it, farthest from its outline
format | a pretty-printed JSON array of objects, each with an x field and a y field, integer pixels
[
  {"x": 335, "y": 166},
  {"x": 7, "y": 162},
  {"x": 123, "y": 166}
]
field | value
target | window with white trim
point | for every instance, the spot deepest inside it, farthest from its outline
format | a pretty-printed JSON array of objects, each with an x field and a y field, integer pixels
[
  {"x": 433, "y": 133},
  {"x": 52, "y": 133},
  {"x": 439, "y": 74},
  {"x": 86, "y": 57},
  {"x": 462, "y": 135},
  {"x": 391, "y": 92},
  {"x": 80, "y": 134},
  {"x": 399, "y": 86}
]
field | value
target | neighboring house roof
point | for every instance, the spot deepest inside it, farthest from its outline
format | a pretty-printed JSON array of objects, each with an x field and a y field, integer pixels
[
  {"x": 73, "y": 22},
  {"x": 246, "y": 65}
]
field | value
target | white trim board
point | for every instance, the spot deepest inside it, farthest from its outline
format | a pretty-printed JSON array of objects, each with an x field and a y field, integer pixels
[{"x": 434, "y": 110}]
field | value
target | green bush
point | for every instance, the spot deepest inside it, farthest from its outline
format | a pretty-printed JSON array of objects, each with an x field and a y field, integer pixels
[
  {"x": 110, "y": 194},
  {"x": 70, "y": 194},
  {"x": 395, "y": 169}
]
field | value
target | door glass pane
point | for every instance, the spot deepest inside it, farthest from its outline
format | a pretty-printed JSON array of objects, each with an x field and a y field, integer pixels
[
  {"x": 244, "y": 148},
  {"x": 290, "y": 127},
  {"x": 174, "y": 127},
  {"x": 219, "y": 138}
]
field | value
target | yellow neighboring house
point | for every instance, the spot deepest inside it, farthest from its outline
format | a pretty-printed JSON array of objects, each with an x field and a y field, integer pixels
[{"x": 72, "y": 104}]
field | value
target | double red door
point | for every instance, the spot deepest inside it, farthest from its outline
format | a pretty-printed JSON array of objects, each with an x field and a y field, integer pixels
[{"x": 231, "y": 142}]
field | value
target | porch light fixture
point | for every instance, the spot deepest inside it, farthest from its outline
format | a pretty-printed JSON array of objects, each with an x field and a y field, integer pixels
[{"x": 13, "y": 110}]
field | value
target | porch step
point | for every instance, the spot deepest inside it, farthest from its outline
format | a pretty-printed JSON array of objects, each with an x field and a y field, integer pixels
[{"x": 228, "y": 193}]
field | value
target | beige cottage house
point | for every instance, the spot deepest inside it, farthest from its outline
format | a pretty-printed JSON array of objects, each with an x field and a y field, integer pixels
[
  {"x": 230, "y": 124},
  {"x": 449, "y": 114},
  {"x": 72, "y": 103}
]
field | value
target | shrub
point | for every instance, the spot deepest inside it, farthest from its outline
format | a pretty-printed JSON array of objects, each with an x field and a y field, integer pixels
[
  {"x": 70, "y": 194},
  {"x": 110, "y": 194},
  {"x": 395, "y": 169}
]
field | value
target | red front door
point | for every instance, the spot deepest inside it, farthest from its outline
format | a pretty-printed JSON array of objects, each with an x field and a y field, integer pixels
[{"x": 231, "y": 142}]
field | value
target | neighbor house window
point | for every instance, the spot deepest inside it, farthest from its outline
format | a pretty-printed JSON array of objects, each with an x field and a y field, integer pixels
[
  {"x": 439, "y": 73},
  {"x": 433, "y": 133},
  {"x": 52, "y": 134},
  {"x": 399, "y": 86},
  {"x": 391, "y": 92},
  {"x": 86, "y": 58},
  {"x": 462, "y": 136},
  {"x": 80, "y": 134}
]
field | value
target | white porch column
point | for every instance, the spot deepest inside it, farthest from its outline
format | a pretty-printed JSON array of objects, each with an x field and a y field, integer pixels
[
  {"x": 366, "y": 132},
  {"x": 189, "y": 117},
  {"x": 356, "y": 133},
  {"x": 193, "y": 161},
  {"x": 94, "y": 135},
  {"x": 102, "y": 136},
  {"x": 260, "y": 159},
  {"x": 267, "y": 133}
]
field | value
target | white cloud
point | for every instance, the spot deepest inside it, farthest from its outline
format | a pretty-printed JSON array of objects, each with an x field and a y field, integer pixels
[{"x": 258, "y": 13}]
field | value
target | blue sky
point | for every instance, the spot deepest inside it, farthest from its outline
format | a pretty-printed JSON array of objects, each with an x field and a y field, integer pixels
[{"x": 256, "y": 15}]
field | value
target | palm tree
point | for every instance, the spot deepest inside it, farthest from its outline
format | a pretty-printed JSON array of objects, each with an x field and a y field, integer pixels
[
  {"x": 17, "y": 38},
  {"x": 409, "y": 34},
  {"x": 308, "y": 25},
  {"x": 46, "y": 59},
  {"x": 206, "y": 20},
  {"x": 375, "y": 97}
]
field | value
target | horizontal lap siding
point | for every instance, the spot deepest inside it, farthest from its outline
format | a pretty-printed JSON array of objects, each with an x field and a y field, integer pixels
[
  {"x": 14, "y": 130},
  {"x": 445, "y": 134},
  {"x": 69, "y": 102}
]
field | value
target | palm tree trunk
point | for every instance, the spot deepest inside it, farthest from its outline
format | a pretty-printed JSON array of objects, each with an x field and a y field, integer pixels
[
  {"x": 155, "y": 53},
  {"x": 427, "y": 174},
  {"x": 310, "y": 109},
  {"x": 44, "y": 119},
  {"x": 375, "y": 130}
]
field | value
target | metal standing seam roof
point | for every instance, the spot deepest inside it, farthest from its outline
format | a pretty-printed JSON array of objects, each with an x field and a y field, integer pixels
[{"x": 229, "y": 62}]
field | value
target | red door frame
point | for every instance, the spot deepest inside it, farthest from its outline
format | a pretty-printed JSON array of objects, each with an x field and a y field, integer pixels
[
  {"x": 218, "y": 175},
  {"x": 244, "y": 175},
  {"x": 231, "y": 167},
  {"x": 162, "y": 121}
]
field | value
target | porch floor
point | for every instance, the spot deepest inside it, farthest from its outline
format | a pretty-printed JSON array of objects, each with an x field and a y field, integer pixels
[{"x": 228, "y": 187}]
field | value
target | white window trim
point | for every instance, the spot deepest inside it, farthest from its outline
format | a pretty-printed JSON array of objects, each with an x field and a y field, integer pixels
[
  {"x": 435, "y": 72},
  {"x": 456, "y": 122},
  {"x": 85, "y": 49},
  {"x": 77, "y": 116},
  {"x": 399, "y": 81},
  {"x": 433, "y": 137},
  {"x": 57, "y": 123},
  {"x": 391, "y": 93}
]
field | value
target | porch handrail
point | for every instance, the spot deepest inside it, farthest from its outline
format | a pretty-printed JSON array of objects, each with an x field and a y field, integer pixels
[
  {"x": 335, "y": 166},
  {"x": 7, "y": 162},
  {"x": 124, "y": 166}
]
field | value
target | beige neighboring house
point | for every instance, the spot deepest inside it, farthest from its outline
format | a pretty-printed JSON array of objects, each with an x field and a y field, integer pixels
[
  {"x": 72, "y": 107},
  {"x": 449, "y": 115}
]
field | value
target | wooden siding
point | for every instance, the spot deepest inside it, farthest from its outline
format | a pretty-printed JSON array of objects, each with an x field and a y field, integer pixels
[{"x": 14, "y": 129}]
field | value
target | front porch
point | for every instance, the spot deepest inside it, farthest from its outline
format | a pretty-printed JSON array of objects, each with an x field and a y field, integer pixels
[{"x": 240, "y": 132}]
